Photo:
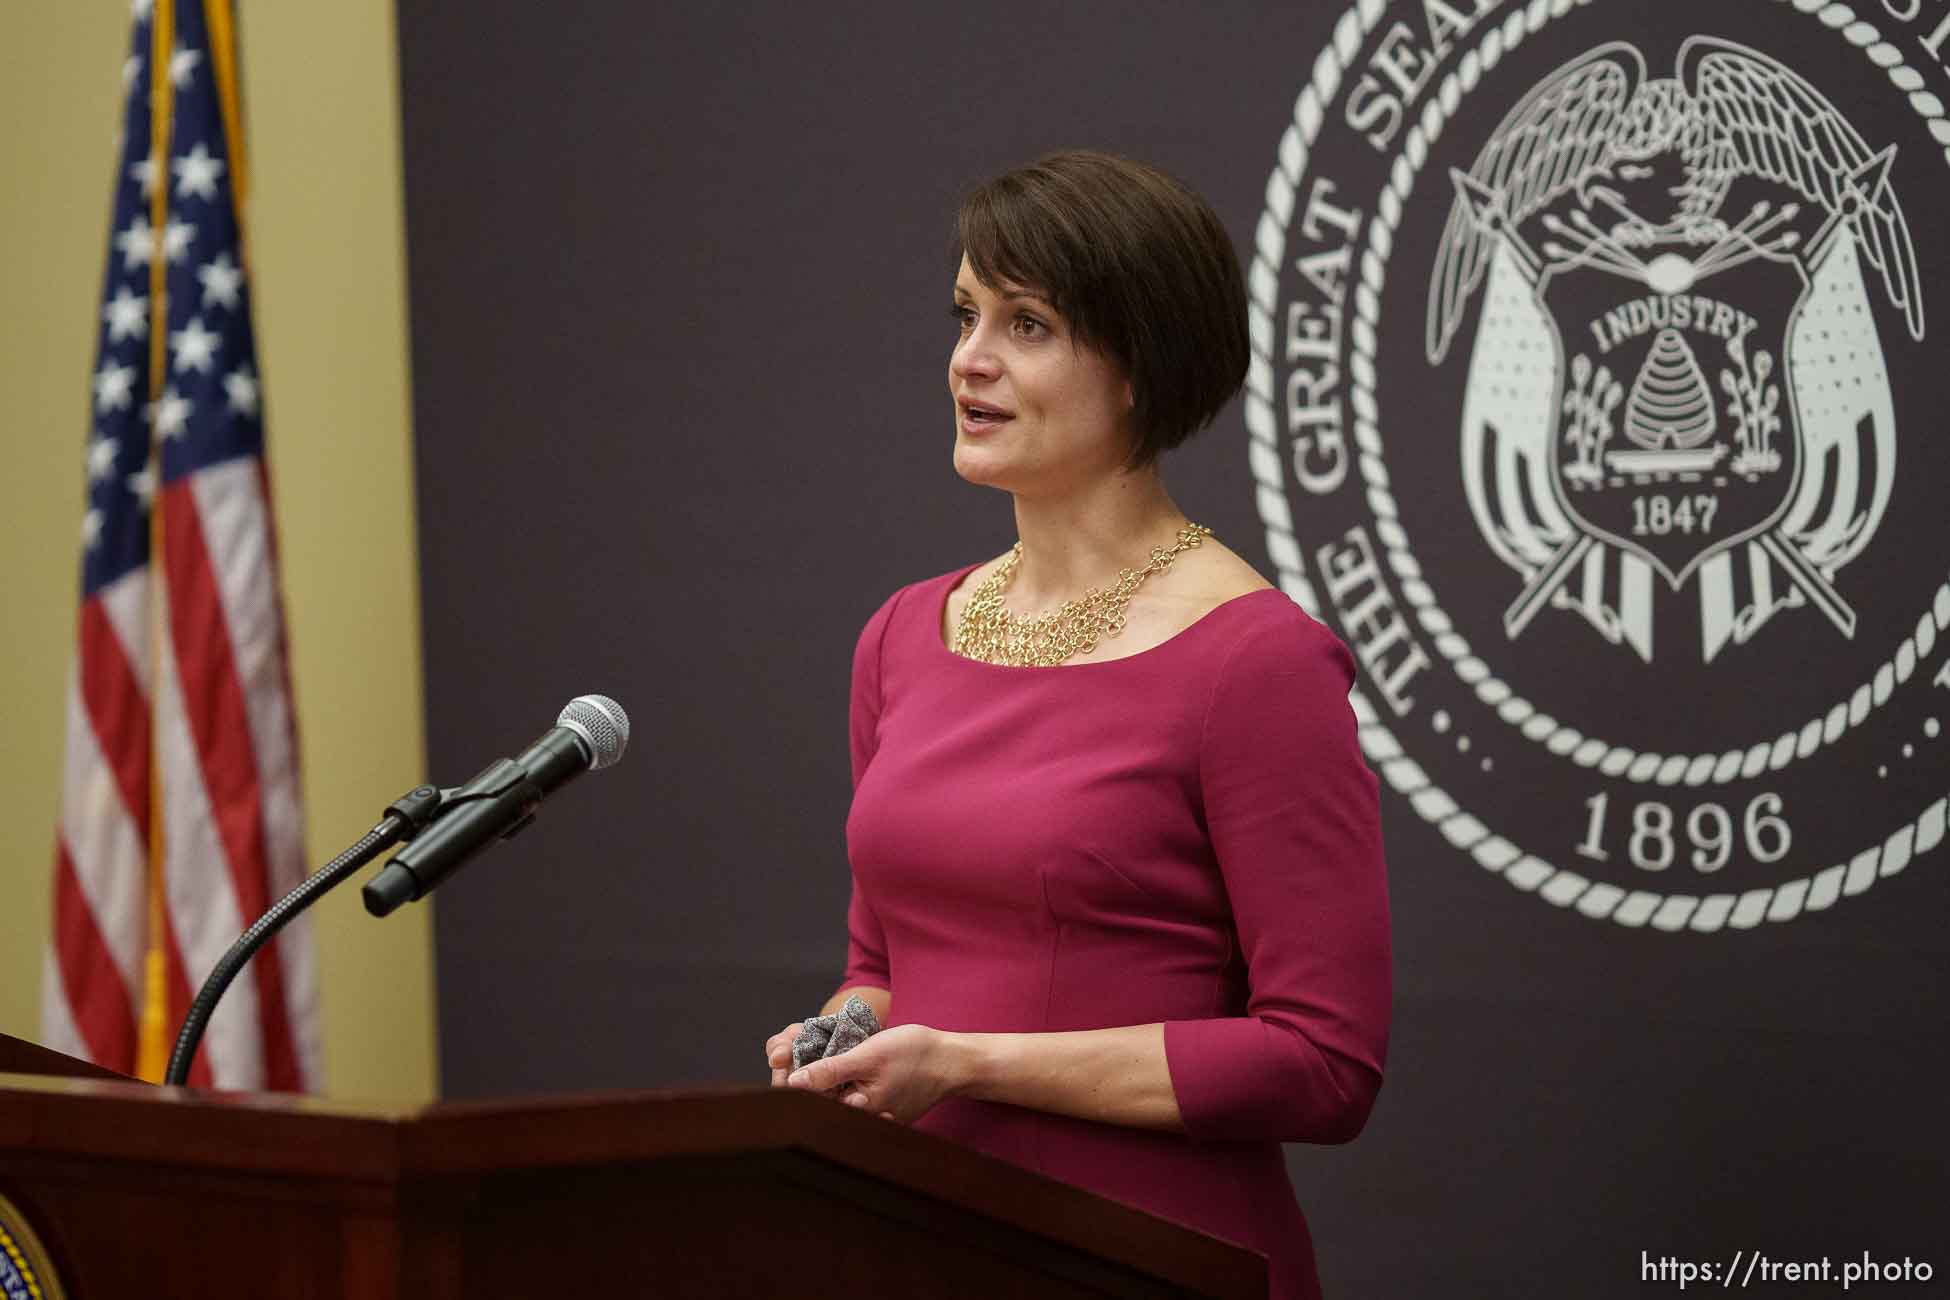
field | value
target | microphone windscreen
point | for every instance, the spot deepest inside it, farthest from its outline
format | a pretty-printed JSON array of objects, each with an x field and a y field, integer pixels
[{"x": 601, "y": 722}]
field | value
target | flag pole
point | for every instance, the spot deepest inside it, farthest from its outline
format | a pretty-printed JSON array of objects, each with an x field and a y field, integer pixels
[
  {"x": 223, "y": 61},
  {"x": 152, "y": 1035}
]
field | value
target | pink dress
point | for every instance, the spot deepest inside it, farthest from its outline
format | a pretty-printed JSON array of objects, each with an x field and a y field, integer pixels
[{"x": 1186, "y": 835}]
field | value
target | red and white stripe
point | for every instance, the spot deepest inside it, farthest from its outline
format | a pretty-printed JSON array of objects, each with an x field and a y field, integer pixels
[
  {"x": 91, "y": 990},
  {"x": 219, "y": 723}
]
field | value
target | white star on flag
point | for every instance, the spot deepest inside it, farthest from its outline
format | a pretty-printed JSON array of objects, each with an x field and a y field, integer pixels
[
  {"x": 112, "y": 386},
  {"x": 241, "y": 384},
  {"x": 141, "y": 8},
  {"x": 221, "y": 279},
  {"x": 126, "y": 315},
  {"x": 143, "y": 483},
  {"x": 171, "y": 414},
  {"x": 131, "y": 68},
  {"x": 144, "y": 173},
  {"x": 196, "y": 173},
  {"x": 101, "y": 458},
  {"x": 182, "y": 64},
  {"x": 195, "y": 346},
  {"x": 138, "y": 243},
  {"x": 176, "y": 240},
  {"x": 91, "y": 528}
]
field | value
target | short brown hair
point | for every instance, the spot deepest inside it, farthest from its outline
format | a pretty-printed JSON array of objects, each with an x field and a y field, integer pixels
[{"x": 1137, "y": 263}]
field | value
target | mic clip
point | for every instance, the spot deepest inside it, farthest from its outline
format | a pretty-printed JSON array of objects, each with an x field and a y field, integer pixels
[
  {"x": 504, "y": 781},
  {"x": 418, "y": 809},
  {"x": 424, "y": 805}
]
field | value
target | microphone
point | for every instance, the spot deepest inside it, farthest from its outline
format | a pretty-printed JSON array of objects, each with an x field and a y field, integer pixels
[{"x": 591, "y": 733}]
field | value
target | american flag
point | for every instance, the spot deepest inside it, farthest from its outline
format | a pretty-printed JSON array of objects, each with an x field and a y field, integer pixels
[{"x": 180, "y": 820}]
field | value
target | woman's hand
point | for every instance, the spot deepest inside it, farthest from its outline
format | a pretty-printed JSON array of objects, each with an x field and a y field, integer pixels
[
  {"x": 778, "y": 1051},
  {"x": 899, "y": 1073}
]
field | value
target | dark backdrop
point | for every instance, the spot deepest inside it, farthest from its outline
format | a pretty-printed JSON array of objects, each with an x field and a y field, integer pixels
[{"x": 679, "y": 280}]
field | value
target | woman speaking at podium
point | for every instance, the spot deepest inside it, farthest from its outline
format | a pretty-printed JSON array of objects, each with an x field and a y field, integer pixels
[{"x": 1118, "y": 890}]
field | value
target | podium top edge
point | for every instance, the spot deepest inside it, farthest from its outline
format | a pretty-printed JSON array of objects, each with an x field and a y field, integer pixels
[{"x": 351, "y": 1143}]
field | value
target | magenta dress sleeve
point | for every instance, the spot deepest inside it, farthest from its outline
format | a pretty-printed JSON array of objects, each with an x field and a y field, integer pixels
[
  {"x": 1294, "y": 820},
  {"x": 866, "y": 944}
]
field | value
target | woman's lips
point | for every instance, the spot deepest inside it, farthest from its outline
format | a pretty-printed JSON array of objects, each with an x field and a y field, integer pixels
[{"x": 977, "y": 419}]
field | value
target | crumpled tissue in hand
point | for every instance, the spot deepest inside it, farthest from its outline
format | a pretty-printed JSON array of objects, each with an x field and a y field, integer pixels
[{"x": 842, "y": 1031}]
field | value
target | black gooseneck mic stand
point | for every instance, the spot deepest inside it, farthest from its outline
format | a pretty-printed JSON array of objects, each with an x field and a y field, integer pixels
[
  {"x": 590, "y": 733},
  {"x": 405, "y": 817}
]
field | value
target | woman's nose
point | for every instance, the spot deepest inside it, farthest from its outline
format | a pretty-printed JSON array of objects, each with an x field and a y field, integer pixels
[{"x": 974, "y": 358}]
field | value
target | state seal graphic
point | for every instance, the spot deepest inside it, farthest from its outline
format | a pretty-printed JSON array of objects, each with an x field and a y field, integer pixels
[
  {"x": 25, "y": 1273},
  {"x": 1594, "y": 405}
]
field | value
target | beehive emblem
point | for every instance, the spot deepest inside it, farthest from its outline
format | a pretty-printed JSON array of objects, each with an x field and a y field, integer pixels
[{"x": 1671, "y": 406}]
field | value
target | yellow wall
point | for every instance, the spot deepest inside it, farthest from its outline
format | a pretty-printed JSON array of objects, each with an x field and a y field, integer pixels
[{"x": 328, "y": 281}]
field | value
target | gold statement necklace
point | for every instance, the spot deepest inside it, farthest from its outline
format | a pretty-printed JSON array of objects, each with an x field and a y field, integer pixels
[{"x": 992, "y": 634}]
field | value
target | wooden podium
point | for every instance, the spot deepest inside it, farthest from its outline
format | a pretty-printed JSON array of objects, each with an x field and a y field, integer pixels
[{"x": 140, "y": 1191}]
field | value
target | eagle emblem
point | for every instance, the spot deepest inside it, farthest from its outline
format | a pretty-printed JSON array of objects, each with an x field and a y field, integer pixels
[{"x": 1675, "y": 379}]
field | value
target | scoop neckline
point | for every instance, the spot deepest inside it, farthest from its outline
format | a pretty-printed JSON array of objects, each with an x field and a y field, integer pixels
[{"x": 954, "y": 578}]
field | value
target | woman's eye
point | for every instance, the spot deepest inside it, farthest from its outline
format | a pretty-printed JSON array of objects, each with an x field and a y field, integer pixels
[
  {"x": 964, "y": 316},
  {"x": 1030, "y": 328}
]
